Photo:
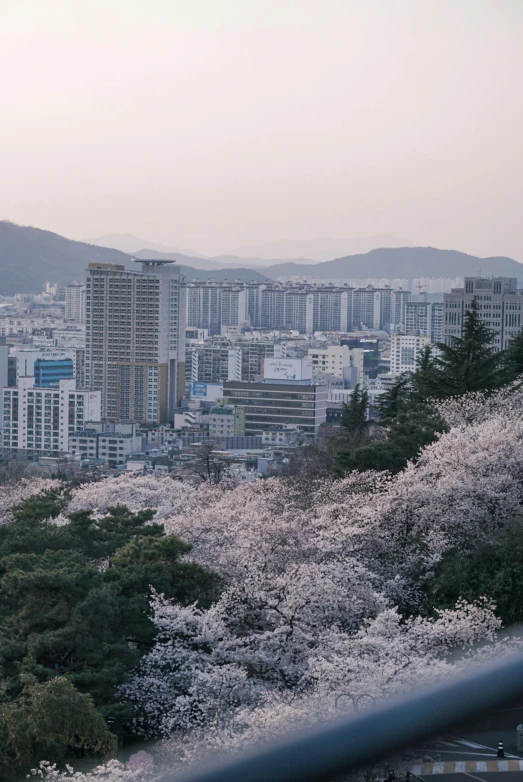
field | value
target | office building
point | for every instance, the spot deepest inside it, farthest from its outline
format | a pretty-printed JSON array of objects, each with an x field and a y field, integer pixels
[
  {"x": 38, "y": 421},
  {"x": 270, "y": 403},
  {"x": 135, "y": 340},
  {"x": 75, "y": 303},
  {"x": 47, "y": 367},
  {"x": 404, "y": 352},
  {"x": 499, "y": 307}
]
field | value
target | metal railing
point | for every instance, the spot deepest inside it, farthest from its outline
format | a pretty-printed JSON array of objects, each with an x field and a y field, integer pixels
[{"x": 330, "y": 750}]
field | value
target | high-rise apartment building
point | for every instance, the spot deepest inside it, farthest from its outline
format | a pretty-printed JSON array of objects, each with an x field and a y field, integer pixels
[
  {"x": 135, "y": 339},
  {"x": 38, "y": 420},
  {"x": 367, "y": 308},
  {"x": 301, "y": 306},
  {"x": 75, "y": 303},
  {"x": 404, "y": 352},
  {"x": 499, "y": 307},
  {"x": 400, "y": 299},
  {"x": 424, "y": 318}
]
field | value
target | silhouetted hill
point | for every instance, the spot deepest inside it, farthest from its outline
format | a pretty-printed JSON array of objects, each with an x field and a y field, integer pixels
[
  {"x": 407, "y": 262},
  {"x": 30, "y": 256}
]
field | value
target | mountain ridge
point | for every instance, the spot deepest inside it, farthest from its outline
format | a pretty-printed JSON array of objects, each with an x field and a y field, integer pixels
[
  {"x": 403, "y": 262},
  {"x": 30, "y": 256}
]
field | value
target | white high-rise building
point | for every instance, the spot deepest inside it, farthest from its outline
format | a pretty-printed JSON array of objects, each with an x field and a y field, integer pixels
[
  {"x": 424, "y": 318},
  {"x": 38, "y": 420},
  {"x": 404, "y": 352},
  {"x": 135, "y": 340},
  {"x": 75, "y": 303}
]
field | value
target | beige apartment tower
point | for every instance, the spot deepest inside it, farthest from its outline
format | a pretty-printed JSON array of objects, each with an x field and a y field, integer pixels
[{"x": 135, "y": 339}]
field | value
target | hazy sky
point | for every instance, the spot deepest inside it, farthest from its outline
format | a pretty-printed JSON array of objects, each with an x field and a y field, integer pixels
[{"x": 215, "y": 123}]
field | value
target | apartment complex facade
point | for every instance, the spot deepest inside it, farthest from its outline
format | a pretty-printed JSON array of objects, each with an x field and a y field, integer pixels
[
  {"x": 303, "y": 307},
  {"x": 135, "y": 340}
]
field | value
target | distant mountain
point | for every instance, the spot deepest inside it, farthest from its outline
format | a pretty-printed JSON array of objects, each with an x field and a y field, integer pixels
[
  {"x": 407, "y": 262},
  {"x": 130, "y": 244},
  {"x": 321, "y": 249},
  {"x": 214, "y": 263},
  {"x": 30, "y": 256}
]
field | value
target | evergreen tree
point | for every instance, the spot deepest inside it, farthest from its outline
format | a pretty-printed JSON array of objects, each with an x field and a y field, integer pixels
[
  {"x": 394, "y": 400},
  {"x": 424, "y": 377},
  {"x": 410, "y": 431},
  {"x": 354, "y": 417},
  {"x": 74, "y": 604},
  {"x": 513, "y": 359},
  {"x": 469, "y": 363},
  {"x": 48, "y": 716}
]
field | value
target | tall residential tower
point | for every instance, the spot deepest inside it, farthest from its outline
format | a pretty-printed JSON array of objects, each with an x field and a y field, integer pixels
[{"x": 135, "y": 339}]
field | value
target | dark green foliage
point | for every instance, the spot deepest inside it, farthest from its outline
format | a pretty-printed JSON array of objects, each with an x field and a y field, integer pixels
[
  {"x": 469, "y": 363},
  {"x": 395, "y": 400},
  {"x": 354, "y": 417},
  {"x": 410, "y": 431},
  {"x": 48, "y": 716},
  {"x": 494, "y": 571},
  {"x": 513, "y": 359},
  {"x": 424, "y": 378},
  {"x": 74, "y": 599}
]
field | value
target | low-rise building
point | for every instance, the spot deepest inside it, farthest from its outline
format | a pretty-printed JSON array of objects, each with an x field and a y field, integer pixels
[
  {"x": 225, "y": 421},
  {"x": 113, "y": 443},
  {"x": 284, "y": 434}
]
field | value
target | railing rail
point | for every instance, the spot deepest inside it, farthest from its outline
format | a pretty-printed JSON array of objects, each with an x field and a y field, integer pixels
[{"x": 330, "y": 750}]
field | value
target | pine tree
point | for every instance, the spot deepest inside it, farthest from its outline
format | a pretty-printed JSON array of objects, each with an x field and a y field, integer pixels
[
  {"x": 394, "y": 400},
  {"x": 513, "y": 359},
  {"x": 424, "y": 377},
  {"x": 469, "y": 363},
  {"x": 354, "y": 417}
]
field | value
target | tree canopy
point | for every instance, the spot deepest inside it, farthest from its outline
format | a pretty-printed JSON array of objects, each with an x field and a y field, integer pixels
[{"x": 74, "y": 606}]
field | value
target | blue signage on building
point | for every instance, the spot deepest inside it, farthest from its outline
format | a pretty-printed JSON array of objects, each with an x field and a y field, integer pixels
[{"x": 199, "y": 389}]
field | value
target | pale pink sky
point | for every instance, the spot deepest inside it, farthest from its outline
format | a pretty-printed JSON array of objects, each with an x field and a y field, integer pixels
[{"x": 215, "y": 123}]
